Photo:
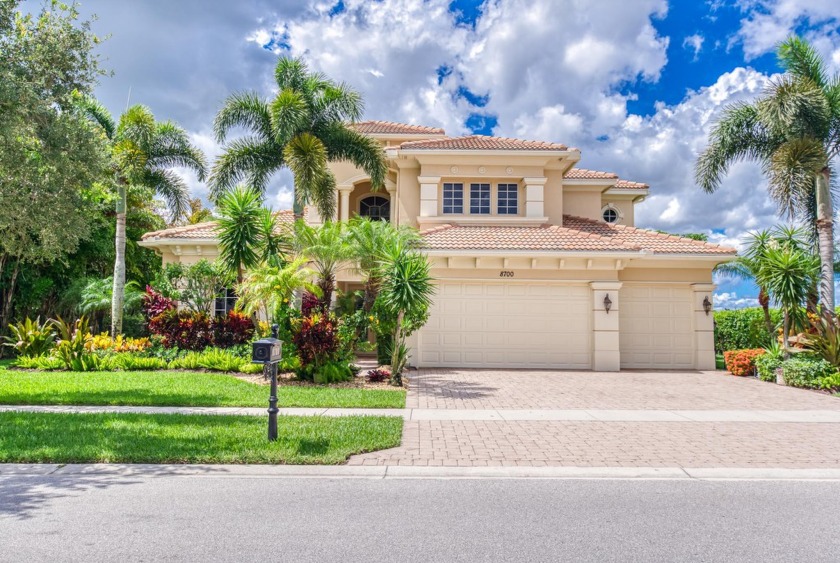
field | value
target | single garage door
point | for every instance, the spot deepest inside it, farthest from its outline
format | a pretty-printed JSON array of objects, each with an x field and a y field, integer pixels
[
  {"x": 507, "y": 325},
  {"x": 655, "y": 324}
]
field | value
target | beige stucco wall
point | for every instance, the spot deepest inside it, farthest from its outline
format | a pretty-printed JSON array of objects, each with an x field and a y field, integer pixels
[
  {"x": 582, "y": 203},
  {"x": 553, "y": 197},
  {"x": 408, "y": 194},
  {"x": 626, "y": 207}
]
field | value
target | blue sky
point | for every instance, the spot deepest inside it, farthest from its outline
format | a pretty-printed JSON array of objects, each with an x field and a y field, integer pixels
[{"x": 635, "y": 84}]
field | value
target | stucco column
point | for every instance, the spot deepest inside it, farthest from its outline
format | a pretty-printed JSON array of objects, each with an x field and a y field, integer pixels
[
  {"x": 704, "y": 327},
  {"x": 429, "y": 195},
  {"x": 606, "y": 355},
  {"x": 534, "y": 196},
  {"x": 344, "y": 202},
  {"x": 391, "y": 188}
]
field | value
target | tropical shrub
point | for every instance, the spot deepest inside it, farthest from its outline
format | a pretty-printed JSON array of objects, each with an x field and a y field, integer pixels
[
  {"x": 31, "y": 338},
  {"x": 378, "y": 375},
  {"x": 155, "y": 303},
  {"x": 127, "y": 361},
  {"x": 742, "y": 362},
  {"x": 214, "y": 359},
  {"x": 40, "y": 363},
  {"x": 333, "y": 372},
  {"x": 805, "y": 370},
  {"x": 824, "y": 339},
  {"x": 742, "y": 329},
  {"x": 232, "y": 330},
  {"x": 196, "y": 286},
  {"x": 72, "y": 347},
  {"x": 766, "y": 366},
  {"x": 829, "y": 382},
  {"x": 104, "y": 343},
  {"x": 317, "y": 343}
]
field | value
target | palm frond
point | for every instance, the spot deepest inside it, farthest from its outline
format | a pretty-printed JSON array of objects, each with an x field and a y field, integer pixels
[
  {"x": 290, "y": 73},
  {"x": 96, "y": 112},
  {"x": 238, "y": 228},
  {"x": 171, "y": 146},
  {"x": 250, "y": 159},
  {"x": 344, "y": 143},
  {"x": 738, "y": 135},
  {"x": 306, "y": 157},
  {"x": 800, "y": 59},
  {"x": 247, "y": 110},
  {"x": 338, "y": 103},
  {"x": 289, "y": 115},
  {"x": 172, "y": 188},
  {"x": 795, "y": 107},
  {"x": 791, "y": 171}
]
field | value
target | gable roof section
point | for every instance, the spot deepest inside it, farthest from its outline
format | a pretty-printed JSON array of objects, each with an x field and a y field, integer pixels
[
  {"x": 586, "y": 174},
  {"x": 482, "y": 142},
  {"x": 206, "y": 230},
  {"x": 373, "y": 127},
  {"x": 576, "y": 235}
]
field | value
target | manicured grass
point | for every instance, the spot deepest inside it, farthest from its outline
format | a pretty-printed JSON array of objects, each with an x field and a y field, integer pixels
[
  {"x": 6, "y": 362},
  {"x": 170, "y": 438},
  {"x": 174, "y": 389}
]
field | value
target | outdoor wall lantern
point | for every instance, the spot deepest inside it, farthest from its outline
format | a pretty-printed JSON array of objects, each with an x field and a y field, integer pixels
[
  {"x": 268, "y": 351},
  {"x": 707, "y": 305},
  {"x": 607, "y": 303}
]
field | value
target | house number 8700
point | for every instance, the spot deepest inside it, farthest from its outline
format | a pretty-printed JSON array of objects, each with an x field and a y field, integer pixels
[{"x": 505, "y": 274}]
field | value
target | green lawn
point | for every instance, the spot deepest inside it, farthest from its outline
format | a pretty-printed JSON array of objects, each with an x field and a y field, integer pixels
[
  {"x": 171, "y": 389},
  {"x": 6, "y": 362},
  {"x": 171, "y": 438}
]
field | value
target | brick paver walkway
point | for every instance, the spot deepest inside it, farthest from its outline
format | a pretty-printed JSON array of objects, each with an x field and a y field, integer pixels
[{"x": 599, "y": 443}]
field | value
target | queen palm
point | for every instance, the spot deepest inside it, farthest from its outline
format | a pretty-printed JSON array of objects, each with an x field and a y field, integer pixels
[
  {"x": 327, "y": 248},
  {"x": 144, "y": 152},
  {"x": 793, "y": 130},
  {"x": 303, "y": 127}
]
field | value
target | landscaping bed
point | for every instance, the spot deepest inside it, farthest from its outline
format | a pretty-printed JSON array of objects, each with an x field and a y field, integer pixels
[
  {"x": 168, "y": 388},
  {"x": 171, "y": 438}
]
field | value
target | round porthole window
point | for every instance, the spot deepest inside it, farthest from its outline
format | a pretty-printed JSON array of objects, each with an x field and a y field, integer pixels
[{"x": 610, "y": 214}]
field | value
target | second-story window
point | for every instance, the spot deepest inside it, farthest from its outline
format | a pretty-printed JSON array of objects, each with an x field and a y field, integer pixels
[
  {"x": 508, "y": 200},
  {"x": 453, "y": 198},
  {"x": 480, "y": 199}
]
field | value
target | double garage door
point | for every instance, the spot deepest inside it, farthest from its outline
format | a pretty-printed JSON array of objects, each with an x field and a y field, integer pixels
[{"x": 549, "y": 326}]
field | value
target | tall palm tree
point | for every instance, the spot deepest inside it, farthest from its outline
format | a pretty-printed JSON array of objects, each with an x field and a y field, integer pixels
[
  {"x": 144, "y": 152},
  {"x": 793, "y": 130},
  {"x": 747, "y": 265},
  {"x": 303, "y": 127},
  {"x": 370, "y": 241},
  {"x": 327, "y": 248}
]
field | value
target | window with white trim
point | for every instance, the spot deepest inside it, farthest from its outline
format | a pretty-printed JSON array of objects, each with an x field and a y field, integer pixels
[
  {"x": 480, "y": 199},
  {"x": 453, "y": 198},
  {"x": 611, "y": 214},
  {"x": 507, "y": 201},
  {"x": 225, "y": 302},
  {"x": 376, "y": 208}
]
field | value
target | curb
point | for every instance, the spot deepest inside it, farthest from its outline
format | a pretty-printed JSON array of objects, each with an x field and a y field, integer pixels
[{"x": 416, "y": 472}]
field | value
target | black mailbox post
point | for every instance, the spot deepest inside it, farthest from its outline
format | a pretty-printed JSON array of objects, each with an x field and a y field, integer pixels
[{"x": 268, "y": 351}]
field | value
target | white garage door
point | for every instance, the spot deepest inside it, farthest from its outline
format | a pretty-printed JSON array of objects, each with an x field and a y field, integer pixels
[
  {"x": 655, "y": 324},
  {"x": 507, "y": 325}
]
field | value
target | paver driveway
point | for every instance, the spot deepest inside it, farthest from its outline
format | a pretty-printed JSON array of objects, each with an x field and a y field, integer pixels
[{"x": 618, "y": 434}]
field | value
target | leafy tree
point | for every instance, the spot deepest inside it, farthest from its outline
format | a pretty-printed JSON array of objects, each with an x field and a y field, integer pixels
[
  {"x": 793, "y": 130},
  {"x": 327, "y": 248},
  {"x": 196, "y": 213},
  {"x": 49, "y": 156},
  {"x": 302, "y": 128},
  {"x": 196, "y": 286},
  {"x": 144, "y": 152}
]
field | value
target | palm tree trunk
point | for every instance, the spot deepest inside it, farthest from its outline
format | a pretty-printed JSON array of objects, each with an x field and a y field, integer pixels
[
  {"x": 785, "y": 331},
  {"x": 118, "y": 294},
  {"x": 395, "y": 348},
  {"x": 764, "y": 301},
  {"x": 297, "y": 206},
  {"x": 825, "y": 234}
]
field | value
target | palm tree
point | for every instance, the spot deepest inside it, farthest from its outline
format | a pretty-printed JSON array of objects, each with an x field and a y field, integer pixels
[
  {"x": 407, "y": 291},
  {"x": 788, "y": 273},
  {"x": 327, "y": 248},
  {"x": 144, "y": 152},
  {"x": 793, "y": 130},
  {"x": 97, "y": 297},
  {"x": 269, "y": 287},
  {"x": 303, "y": 127},
  {"x": 371, "y": 241},
  {"x": 746, "y": 267},
  {"x": 240, "y": 214}
]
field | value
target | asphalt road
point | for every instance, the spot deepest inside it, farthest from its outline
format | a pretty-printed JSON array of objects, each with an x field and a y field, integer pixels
[{"x": 212, "y": 518}]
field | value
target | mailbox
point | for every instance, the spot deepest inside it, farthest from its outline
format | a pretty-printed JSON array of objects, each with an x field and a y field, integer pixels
[{"x": 266, "y": 351}]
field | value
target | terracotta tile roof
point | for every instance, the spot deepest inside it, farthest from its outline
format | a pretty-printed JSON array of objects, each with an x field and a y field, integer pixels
[
  {"x": 576, "y": 234},
  {"x": 628, "y": 185},
  {"x": 392, "y": 128},
  {"x": 481, "y": 142},
  {"x": 206, "y": 230},
  {"x": 545, "y": 238},
  {"x": 650, "y": 241},
  {"x": 585, "y": 174}
]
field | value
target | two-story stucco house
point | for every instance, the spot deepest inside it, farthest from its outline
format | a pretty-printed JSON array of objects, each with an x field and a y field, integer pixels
[{"x": 538, "y": 262}]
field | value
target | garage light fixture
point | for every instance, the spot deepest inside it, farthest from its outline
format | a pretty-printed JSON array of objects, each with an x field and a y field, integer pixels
[
  {"x": 607, "y": 303},
  {"x": 707, "y": 305}
]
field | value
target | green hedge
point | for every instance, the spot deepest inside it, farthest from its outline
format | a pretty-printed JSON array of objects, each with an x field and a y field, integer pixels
[{"x": 742, "y": 329}]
